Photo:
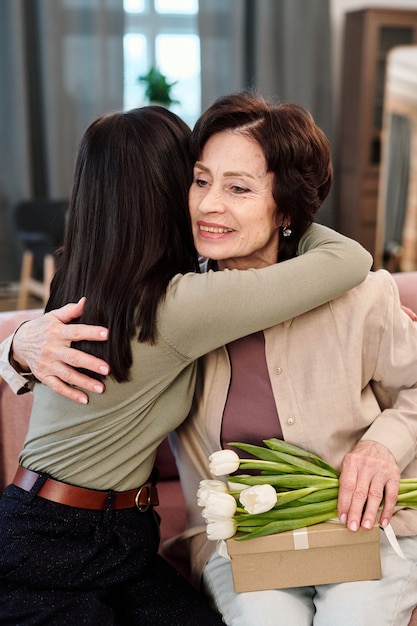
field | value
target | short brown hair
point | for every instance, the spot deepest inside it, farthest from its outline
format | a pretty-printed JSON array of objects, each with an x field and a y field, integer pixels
[{"x": 296, "y": 150}]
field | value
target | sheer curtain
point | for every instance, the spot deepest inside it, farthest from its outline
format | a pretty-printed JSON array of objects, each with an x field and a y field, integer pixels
[
  {"x": 281, "y": 47},
  {"x": 61, "y": 65}
]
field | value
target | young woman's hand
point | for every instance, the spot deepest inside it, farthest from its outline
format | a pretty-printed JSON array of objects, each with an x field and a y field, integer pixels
[{"x": 43, "y": 347}]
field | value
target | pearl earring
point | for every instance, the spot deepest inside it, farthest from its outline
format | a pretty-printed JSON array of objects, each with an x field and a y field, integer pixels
[{"x": 286, "y": 231}]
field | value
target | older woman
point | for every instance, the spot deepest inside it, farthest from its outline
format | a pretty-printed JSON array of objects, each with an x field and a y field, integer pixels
[{"x": 317, "y": 381}]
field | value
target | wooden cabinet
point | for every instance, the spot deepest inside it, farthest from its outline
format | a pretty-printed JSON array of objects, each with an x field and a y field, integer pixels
[
  {"x": 396, "y": 233},
  {"x": 369, "y": 35}
]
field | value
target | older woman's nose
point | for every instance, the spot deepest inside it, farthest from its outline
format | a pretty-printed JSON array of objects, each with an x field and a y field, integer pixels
[{"x": 212, "y": 201}]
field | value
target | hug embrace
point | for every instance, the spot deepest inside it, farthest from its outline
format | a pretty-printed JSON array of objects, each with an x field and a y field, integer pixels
[{"x": 237, "y": 352}]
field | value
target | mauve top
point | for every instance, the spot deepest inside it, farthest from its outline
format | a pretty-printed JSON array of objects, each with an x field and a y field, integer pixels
[{"x": 250, "y": 406}]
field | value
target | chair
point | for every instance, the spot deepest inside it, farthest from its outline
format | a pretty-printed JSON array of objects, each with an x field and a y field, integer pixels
[{"x": 40, "y": 226}]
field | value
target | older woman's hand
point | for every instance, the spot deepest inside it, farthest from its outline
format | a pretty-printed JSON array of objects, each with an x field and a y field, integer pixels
[
  {"x": 43, "y": 346},
  {"x": 369, "y": 473}
]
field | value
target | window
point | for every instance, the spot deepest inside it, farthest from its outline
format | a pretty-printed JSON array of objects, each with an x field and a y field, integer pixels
[{"x": 163, "y": 33}]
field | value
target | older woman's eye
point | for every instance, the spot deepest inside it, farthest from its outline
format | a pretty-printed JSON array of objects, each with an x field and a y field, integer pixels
[
  {"x": 237, "y": 189},
  {"x": 200, "y": 182}
]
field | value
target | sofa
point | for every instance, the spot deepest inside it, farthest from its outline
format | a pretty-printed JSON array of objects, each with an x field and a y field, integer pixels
[{"x": 15, "y": 410}]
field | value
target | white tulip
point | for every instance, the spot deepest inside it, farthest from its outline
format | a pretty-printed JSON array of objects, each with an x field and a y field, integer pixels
[
  {"x": 223, "y": 462},
  {"x": 221, "y": 529},
  {"x": 258, "y": 499},
  {"x": 219, "y": 506},
  {"x": 206, "y": 487}
]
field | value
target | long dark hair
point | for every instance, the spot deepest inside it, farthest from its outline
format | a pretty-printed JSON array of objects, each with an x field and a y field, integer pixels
[
  {"x": 296, "y": 150},
  {"x": 128, "y": 231}
]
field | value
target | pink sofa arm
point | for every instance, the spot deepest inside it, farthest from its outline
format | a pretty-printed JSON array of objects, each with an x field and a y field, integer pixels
[
  {"x": 407, "y": 286},
  {"x": 14, "y": 410}
]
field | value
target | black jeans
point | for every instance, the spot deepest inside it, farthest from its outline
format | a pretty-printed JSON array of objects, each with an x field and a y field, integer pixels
[{"x": 66, "y": 566}]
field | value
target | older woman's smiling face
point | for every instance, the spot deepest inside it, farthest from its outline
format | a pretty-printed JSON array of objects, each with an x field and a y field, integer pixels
[{"x": 233, "y": 212}]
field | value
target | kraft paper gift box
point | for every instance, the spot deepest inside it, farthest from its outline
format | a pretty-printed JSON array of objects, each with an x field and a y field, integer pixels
[{"x": 317, "y": 555}]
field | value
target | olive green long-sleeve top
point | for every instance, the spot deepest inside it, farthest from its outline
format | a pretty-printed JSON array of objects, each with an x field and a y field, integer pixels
[{"x": 111, "y": 442}]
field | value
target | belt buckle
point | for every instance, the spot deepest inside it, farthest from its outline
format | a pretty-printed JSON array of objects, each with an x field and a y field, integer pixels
[{"x": 143, "y": 507}]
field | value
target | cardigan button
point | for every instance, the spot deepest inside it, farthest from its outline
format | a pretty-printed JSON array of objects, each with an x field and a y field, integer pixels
[
  {"x": 278, "y": 370},
  {"x": 290, "y": 421}
]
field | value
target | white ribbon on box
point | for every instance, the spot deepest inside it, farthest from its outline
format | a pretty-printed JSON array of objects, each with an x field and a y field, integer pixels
[
  {"x": 222, "y": 549},
  {"x": 392, "y": 538},
  {"x": 300, "y": 537}
]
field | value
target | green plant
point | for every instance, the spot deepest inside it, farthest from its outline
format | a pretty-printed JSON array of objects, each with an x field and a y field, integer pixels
[{"x": 157, "y": 87}]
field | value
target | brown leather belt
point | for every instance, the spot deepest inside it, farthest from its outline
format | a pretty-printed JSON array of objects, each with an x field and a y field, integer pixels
[{"x": 82, "y": 498}]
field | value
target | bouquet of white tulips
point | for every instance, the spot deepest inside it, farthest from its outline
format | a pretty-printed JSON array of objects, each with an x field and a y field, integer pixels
[{"x": 292, "y": 489}]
